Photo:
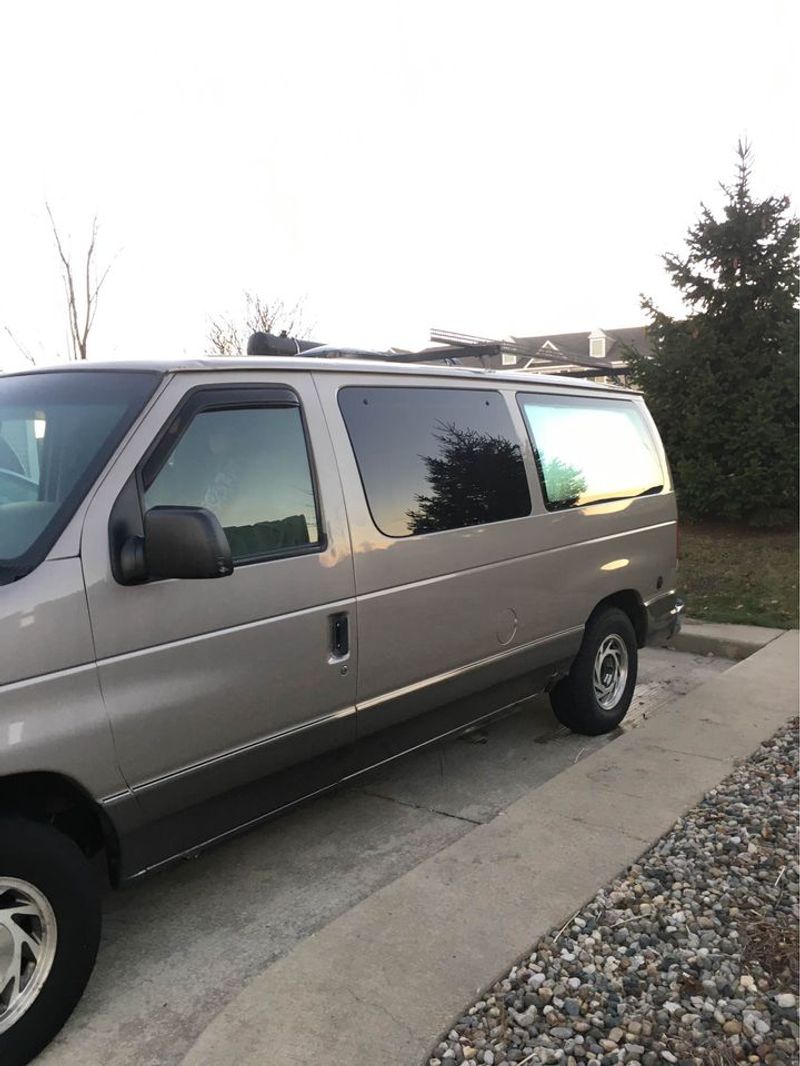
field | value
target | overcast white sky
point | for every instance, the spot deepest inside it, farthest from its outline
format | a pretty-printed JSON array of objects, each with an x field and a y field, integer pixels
[{"x": 493, "y": 167}]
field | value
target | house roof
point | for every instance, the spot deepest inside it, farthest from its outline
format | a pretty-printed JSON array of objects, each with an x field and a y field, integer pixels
[
  {"x": 577, "y": 346},
  {"x": 569, "y": 346}
]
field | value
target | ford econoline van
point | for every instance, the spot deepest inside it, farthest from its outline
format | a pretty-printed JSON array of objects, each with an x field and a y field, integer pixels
[{"x": 227, "y": 585}]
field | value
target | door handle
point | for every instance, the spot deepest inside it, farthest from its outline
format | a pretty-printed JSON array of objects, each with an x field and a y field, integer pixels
[{"x": 339, "y": 636}]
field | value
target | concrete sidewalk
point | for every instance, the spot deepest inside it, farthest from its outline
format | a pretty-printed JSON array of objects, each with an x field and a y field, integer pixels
[{"x": 382, "y": 981}]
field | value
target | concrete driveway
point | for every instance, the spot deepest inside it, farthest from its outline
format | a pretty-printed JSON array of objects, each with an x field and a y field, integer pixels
[{"x": 180, "y": 946}]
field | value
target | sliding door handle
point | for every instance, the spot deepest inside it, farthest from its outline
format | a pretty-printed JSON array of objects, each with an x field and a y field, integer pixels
[{"x": 339, "y": 636}]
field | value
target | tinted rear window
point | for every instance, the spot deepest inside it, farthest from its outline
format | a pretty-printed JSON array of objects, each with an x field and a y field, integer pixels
[
  {"x": 435, "y": 459},
  {"x": 590, "y": 450}
]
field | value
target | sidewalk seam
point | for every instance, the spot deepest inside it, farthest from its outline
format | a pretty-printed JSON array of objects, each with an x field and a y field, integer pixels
[
  {"x": 694, "y": 754},
  {"x": 422, "y": 807},
  {"x": 381, "y": 1008}
]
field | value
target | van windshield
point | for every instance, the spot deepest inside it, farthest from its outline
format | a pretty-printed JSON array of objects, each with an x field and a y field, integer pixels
[{"x": 57, "y": 431}]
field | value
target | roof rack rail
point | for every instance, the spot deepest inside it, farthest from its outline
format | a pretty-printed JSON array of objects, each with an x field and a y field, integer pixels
[
  {"x": 456, "y": 346},
  {"x": 512, "y": 347},
  {"x": 281, "y": 344},
  {"x": 334, "y": 351}
]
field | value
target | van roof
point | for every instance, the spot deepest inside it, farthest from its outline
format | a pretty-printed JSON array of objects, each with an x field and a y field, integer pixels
[{"x": 324, "y": 365}]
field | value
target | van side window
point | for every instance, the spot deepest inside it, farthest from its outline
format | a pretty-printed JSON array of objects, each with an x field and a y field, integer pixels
[
  {"x": 250, "y": 467},
  {"x": 590, "y": 450},
  {"x": 435, "y": 459}
]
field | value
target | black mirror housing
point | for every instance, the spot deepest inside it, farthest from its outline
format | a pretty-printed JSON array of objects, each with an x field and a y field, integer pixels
[{"x": 185, "y": 542}]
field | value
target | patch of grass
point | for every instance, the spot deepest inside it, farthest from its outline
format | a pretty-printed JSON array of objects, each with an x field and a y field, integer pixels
[{"x": 735, "y": 574}]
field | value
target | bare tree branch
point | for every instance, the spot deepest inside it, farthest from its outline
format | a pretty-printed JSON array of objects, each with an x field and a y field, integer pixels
[
  {"x": 88, "y": 281},
  {"x": 21, "y": 347},
  {"x": 81, "y": 308},
  {"x": 228, "y": 336}
]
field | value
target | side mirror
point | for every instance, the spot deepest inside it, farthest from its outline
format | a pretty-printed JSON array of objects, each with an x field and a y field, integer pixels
[{"x": 178, "y": 542}]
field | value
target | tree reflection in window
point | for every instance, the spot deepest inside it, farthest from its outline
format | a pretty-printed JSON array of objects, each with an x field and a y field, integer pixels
[
  {"x": 591, "y": 449},
  {"x": 564, "y": 484},
  {"x": 476, "y": 478}
]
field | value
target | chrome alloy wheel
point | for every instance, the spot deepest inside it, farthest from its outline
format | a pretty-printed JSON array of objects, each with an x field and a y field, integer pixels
[
  {"x": 610, "y": 673},
  {"x": 28, "y": 935}
]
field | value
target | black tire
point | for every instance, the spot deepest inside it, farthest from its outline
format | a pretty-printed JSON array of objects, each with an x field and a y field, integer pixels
[
  {"x": 574, "y": 700},
  {"x": 54, "y": 865}
]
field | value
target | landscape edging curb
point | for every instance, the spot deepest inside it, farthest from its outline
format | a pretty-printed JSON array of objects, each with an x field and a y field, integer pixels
[{"x": 725, "y": 640}]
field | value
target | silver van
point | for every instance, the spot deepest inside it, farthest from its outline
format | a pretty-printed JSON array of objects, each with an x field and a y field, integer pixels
[{"x": 227, "y": 585}]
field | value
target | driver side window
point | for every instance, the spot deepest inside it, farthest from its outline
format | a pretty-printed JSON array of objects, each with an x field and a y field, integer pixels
[{"x": 250, "y": 467}]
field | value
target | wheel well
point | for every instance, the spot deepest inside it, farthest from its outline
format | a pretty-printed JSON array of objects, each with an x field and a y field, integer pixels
[
  {"x": 630, "y": 602},
  {"x": 60, "y": 802}
]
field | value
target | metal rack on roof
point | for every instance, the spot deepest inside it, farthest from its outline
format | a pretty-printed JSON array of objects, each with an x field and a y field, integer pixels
[
  {"x": 455, "y": 347},
  {"x": 547, "y": 356}
]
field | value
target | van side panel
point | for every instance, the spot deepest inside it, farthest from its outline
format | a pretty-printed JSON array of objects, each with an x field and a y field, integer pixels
[
  {"x": 213, "y": 684},
  {"x": 446, "y": 614},
  {"x": 52, "y": 716},
  {"x": 44, "y": 622}
]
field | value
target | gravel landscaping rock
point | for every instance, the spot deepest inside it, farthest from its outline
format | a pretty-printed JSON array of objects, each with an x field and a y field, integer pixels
[{"x": 689, "y": 958}]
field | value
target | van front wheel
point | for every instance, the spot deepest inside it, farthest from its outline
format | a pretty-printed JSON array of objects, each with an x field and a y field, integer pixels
[
  {"x": 596, "y": 694},
  {"x": 49, "y": 932}
]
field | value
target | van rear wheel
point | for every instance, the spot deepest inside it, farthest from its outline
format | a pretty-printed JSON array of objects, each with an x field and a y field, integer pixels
[
  {"x": 596, "y": 694},
  {"x": 49, "y": 932}
]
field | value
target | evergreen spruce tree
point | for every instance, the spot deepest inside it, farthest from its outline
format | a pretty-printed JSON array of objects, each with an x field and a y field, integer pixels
[{"x": 723, "y": 382}]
